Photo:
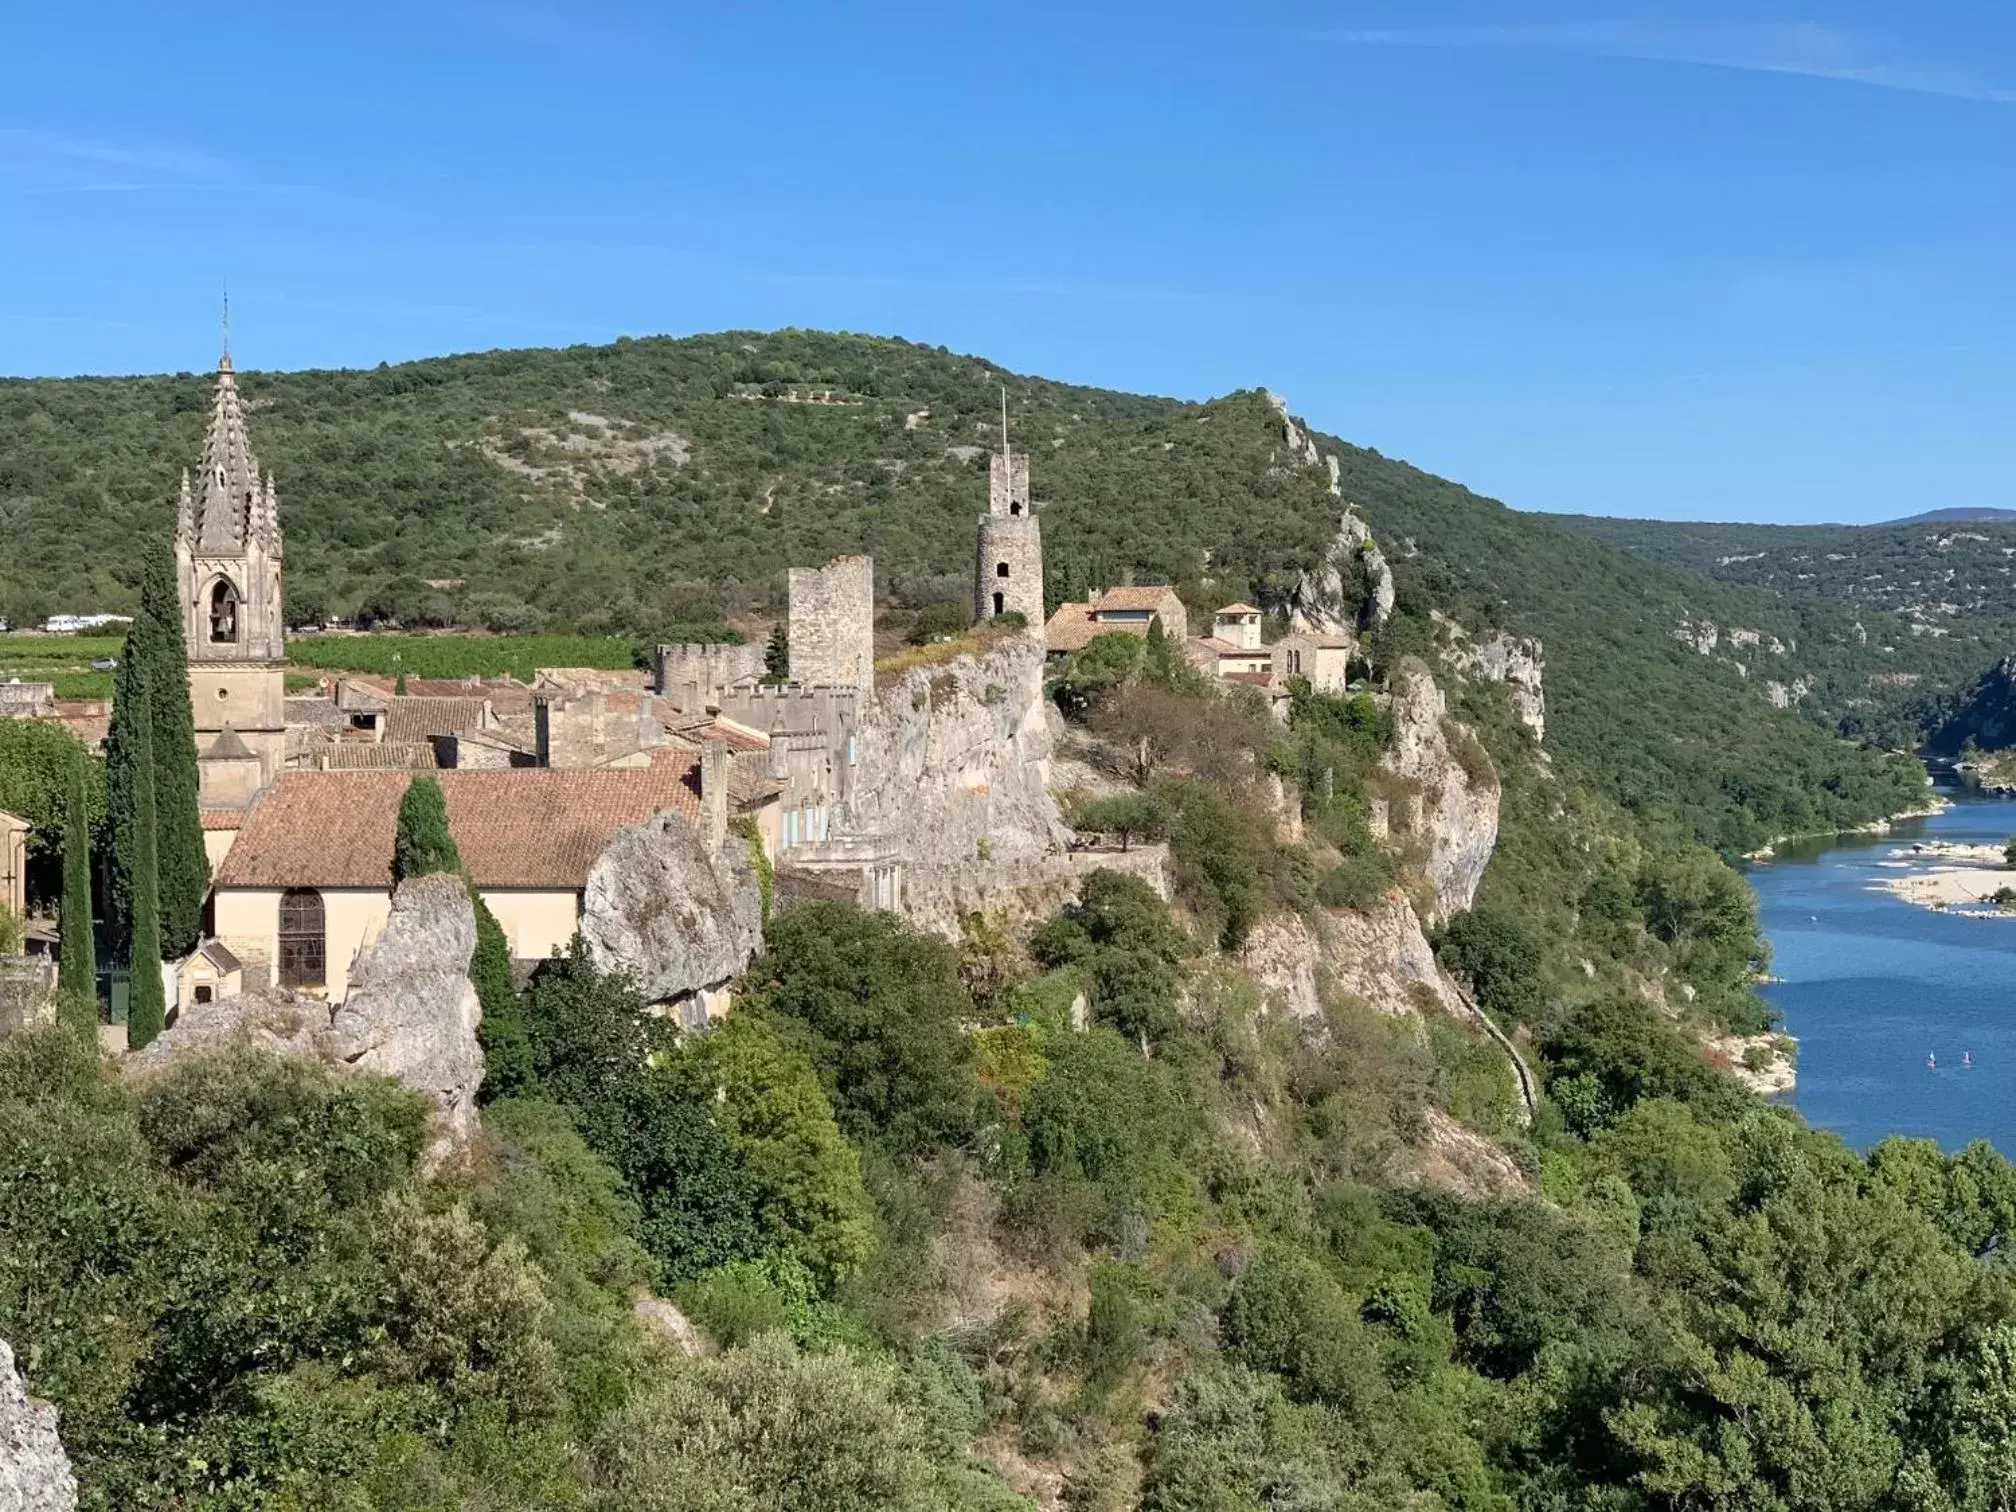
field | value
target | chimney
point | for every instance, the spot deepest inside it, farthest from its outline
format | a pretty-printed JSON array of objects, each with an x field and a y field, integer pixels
[
  {"x": 542, "y": 729},
  {"x": 714, "y": 794},
  {"x": 649, "y": 731}
]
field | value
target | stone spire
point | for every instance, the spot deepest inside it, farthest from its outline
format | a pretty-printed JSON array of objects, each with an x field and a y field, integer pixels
[
  {"x": 185, "y": 515},
  {"x": 227, "y": 489}
]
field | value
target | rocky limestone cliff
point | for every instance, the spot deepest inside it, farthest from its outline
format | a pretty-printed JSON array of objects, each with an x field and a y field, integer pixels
[
  {"x": 34, "y": 1471},
  {"x": 1321, "y": 600},
  {"x": 1453, "y": 813},
  {"x": 1381, "y": 956},
  {"x": 1282, "y": 954},
  {"x": 411, "y": 1013},
  {"x": 1517, "y": 662},
  {"x": 658, "y": 906},
  {"x": 954, "y": 776}
]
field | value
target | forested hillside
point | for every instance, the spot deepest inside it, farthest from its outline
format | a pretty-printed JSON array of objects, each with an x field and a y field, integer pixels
[
  {"x": 1950, "y": 580},
  {"x": 628, "y": 487}
]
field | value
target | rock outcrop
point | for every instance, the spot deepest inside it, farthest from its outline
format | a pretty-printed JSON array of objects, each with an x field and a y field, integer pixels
[
  {"x": 1281, "y": 954},
  {"x": 1381, "y": 956},
  {"x": 1459, "y": 1160},
  {"x": 410, "y": 1014},
  {"x": 1517, "y": 662},
  {"x": 680, "y": 921},
  {"x": 1323, "y": 600},
  {"x": 1453, "y": 810},
  {"x": 953, "y": 777},
  {"x": 34, "y": 1471}
]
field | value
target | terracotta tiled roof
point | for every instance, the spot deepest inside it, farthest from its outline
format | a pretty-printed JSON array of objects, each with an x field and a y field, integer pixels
[
  {"x": 372, "y": 756},
  {"x": 410, "y": 718},
  {"x": 1072, "y": 626},
  {"x": 527, "y": 828},
  {"x": 506, "y": 694},
  {"x": 1225, "y": 648},
  {"x": 1238, "y": 609},
  {"x": 315, "y": 711},
  {"x": 1153, "y": 596},
  {"x": 223, "y": 819}
]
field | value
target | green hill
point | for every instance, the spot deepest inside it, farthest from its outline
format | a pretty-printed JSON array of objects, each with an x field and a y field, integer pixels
[
  {"x": 1944, "y": 577},
  {"x": 622, "y": 488}
]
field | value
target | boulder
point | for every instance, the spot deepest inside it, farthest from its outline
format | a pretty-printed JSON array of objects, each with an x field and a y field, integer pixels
[
  {"x": 678, "y": 920},
  {"x": 411, "y": 1013},
  {"x": 34, "y": 1471}
]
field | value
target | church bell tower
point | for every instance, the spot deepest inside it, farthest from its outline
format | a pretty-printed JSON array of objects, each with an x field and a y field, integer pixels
[{"x": 228, "y": 567}]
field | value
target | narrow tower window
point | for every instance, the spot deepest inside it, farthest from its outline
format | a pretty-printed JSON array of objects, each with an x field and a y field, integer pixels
[
  {"x": 223, "y": 614},
  {"x": 1015, "y": 508},
  {"x": 1000, "y": 569},
  {"x": 1000, "y": 603}
]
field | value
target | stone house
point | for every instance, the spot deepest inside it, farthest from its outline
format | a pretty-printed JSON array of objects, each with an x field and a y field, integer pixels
[
  {"x": 306, "y": 884},
  {"x": 1233, "y": 646},
  {"x": 1128, "y": 611},
  {"x": 1322, "y": 658}
]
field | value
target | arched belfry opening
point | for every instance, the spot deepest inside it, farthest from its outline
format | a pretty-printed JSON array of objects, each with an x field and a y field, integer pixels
[{"x": 223, "y": 613}]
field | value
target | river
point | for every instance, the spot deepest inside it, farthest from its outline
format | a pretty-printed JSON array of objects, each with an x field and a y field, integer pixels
[{"x": 1870, "y": 985}]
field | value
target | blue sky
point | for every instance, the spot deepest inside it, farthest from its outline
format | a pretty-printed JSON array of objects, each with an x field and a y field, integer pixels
[{"x": 1696, "y": 261}]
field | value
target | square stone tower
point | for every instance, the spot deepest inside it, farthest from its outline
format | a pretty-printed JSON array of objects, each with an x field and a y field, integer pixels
[
  {"x": 1008, "y": 562},
  {"x": 832, "y": 611},
  {"x": 228, "y": 562}
]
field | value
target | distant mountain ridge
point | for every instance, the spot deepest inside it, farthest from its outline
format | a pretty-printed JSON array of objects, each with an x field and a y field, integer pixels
[{"x": 1962, "y": 516}]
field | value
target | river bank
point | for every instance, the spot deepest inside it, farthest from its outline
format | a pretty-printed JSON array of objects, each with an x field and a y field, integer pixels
[
  {"x": 1934, "y": 805},
  {"x": 1966, "y": 879}
]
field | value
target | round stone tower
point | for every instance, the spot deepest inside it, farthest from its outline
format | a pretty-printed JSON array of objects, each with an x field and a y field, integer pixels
[{"x": 1008, "y": 565}]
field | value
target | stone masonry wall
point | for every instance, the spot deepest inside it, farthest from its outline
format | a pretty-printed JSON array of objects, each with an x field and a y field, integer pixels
[
  {"x": 691, "y": 676},
  {"x": 833, "y": 623},
  {"x": 1009, "y": 562}
]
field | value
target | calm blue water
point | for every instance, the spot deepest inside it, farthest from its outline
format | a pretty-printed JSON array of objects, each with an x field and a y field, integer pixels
[{"x": 1873, "y": 984}]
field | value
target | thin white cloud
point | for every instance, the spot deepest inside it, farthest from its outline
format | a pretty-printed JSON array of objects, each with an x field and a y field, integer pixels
[
  {"x": 1809, "y": 51},
  {"x": 26, "y": 147}
]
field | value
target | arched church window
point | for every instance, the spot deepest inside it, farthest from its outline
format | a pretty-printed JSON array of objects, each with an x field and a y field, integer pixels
[
  {"x": 223, "y": 613},
  {"x": 304, "y": 946}
]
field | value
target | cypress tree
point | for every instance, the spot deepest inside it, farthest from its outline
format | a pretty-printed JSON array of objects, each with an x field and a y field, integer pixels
[
  {"x": 147, "y": 1008},
  {"x": 422, "y": 845},
  {"x": 184, "y": 875},
  {"x": 777, "y": 653},
  {"x": 155, "y": 660},
  {"x": 80, "y": 954},
  {"x": 508, "y": 1068}
]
